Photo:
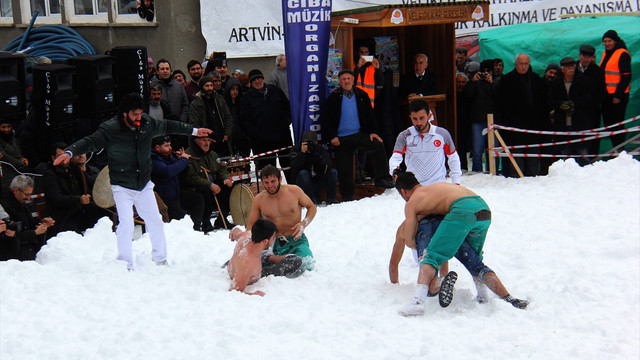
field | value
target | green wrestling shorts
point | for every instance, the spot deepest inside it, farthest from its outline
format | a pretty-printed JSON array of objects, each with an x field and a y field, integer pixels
[
  {"x": 286, "y": 245},
  {"x": 468, "y": 219}
]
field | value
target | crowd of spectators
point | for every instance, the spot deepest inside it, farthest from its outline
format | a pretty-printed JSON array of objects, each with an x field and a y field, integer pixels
[{"x": 248, "y": 114}]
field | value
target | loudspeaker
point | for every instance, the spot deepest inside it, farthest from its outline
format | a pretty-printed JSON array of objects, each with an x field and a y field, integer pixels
[
  {"x": 53, "y": 96},
  {"x": 130, "y": 71},
  {"x": 12, "y": 88},
  {"x": 95, "y": 86}
]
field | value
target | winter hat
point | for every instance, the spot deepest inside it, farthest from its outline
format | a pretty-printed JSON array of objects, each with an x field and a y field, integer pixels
[
  {"x": 611, "y": 34},
  {"x": 346, "y": 71},
  {"x": 567, "y": 61},
  {"x": 254, "y": 74},
  {"x": 552, "y": 66},
  {"x": 309, "y": 135},
  {"x": 587, "y": 50},
  {"x": 204, "y": 80}
]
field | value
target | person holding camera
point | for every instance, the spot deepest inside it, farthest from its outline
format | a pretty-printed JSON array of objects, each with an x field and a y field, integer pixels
[
  {"x": 479, "y": 93},
  {"x": 29, "y": 233},
  {"x": 311, "y": 167}
]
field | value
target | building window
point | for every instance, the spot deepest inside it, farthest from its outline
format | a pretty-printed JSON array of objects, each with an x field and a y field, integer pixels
[
  {"x": 46, "y": 7},
  {"x": 77, "y": 12},
  {"x": 127, "y": 7},
  {"x": 6, "y": 12},
  {"x": 90, "y": 7},
  {"x": 5, "y": 8},
  {"x": 48, "y": 11}
]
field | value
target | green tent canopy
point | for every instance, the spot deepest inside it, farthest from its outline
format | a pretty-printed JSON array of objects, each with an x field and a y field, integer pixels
[{"x": 547, "y": 43}]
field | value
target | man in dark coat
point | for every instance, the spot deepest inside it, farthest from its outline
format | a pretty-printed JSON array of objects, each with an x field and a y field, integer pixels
[
  {"x": 587, "y": 66},
  {"x": 208, "y": 109},
  {"x": 419, "y": 82},
  {"x": 30, "y": 232},
  {"x": 570, "y": 109},
  {"x": 68, "y": 193},
  {"x": 521, "y": 101},
  {"x": 266, "y": 116}
]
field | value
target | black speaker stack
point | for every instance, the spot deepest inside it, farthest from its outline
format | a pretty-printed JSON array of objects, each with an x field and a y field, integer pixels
[
  {"x": 12, "y": 88},
  {"x": 79, "y": 95},
  {"x": 53, "y": 96},
  {"x": 131, "y": 71},
  {"x": 95, "y": 88}
]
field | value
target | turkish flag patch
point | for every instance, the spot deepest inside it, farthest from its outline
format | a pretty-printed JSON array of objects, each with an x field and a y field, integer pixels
[{"x": 437, "y": 143}]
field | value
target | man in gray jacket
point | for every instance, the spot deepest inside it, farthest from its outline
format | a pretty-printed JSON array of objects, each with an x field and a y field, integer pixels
[
  {"x": 278, "y": 77},
  {"x": 173, "y": 92},
  {"x": 209, "y": 109}
]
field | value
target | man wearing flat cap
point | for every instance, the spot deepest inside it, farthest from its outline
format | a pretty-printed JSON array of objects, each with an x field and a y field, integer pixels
[
  {"x": 521, "y": 100},
  {"x": 265, "y": 113},
  {"x": 209, "y": 109},
  {"x": 348, "y": 123},
  {"x": 587, "y": 66},
  {"x": 616, "y": 63},
  {"x": 569, "y": 100}
]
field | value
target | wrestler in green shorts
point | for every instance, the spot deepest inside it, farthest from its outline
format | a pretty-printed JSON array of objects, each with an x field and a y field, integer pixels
[{"x": 468, "y": 219}]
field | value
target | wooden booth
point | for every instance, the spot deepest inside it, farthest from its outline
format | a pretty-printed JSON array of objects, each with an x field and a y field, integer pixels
[{"x": 419, "y": 28}]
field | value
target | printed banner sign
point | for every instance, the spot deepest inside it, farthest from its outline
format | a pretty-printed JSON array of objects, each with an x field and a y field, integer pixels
[
  {"x": 307, "y": 26},
  {"x": 248, "y": 28}
]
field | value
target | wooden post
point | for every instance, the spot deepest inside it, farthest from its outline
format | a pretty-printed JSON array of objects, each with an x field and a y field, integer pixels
[
  {"x": 491, "y": 144},
  {"x": 513, "y": 161}
]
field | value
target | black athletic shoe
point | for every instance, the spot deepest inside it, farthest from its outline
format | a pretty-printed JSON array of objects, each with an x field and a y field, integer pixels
[
  {"x": 207, "y": 227},
  {"x": 517, "y": 303},
  {"x": 445, "y": 296},
  {"x": 385, "y": 182}
]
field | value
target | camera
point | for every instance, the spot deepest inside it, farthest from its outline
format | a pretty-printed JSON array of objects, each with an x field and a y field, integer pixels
[
  {"x": 13, "y": 225},
  {"x": 310, "y": 144},
  {"x": 483, "y": 76}
]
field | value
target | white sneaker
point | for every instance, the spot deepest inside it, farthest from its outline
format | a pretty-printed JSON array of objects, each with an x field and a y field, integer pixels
[
  {"x": 161, "y": 263},
  {"x": 414, "y": 308}
]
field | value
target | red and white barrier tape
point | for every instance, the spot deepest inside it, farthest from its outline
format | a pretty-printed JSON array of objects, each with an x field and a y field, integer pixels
[
  {"x": 501, "y": 154},
  {"x": 248, "y": 176},
  {"x": 598, "y": 136},
  {"x": 240, "y": 177},
  {"x": 248, "y": 158},
  {"x": 569, "y": 133}
]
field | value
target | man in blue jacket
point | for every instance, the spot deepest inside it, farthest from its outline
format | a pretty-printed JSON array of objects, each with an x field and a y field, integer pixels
[
  {"x": 127, "y": 140},
  {"x": 166, "y": 167}
]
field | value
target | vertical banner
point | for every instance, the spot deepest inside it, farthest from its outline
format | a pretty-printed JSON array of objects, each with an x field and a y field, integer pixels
[{"x": 307, "y": 27}]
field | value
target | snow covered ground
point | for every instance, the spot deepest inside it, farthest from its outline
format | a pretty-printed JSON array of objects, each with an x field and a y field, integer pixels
[{"x": 567, "y": 242}]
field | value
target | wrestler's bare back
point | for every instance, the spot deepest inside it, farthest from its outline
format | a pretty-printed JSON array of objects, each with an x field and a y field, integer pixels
[
  {"x": 245, "y": 260},
  {"x": 284, "y": 208},
  {"x": 436, "y": 199}
]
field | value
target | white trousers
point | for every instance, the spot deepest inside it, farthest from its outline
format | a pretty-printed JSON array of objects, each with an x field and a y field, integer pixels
[{"x": 147, "y": 207}]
